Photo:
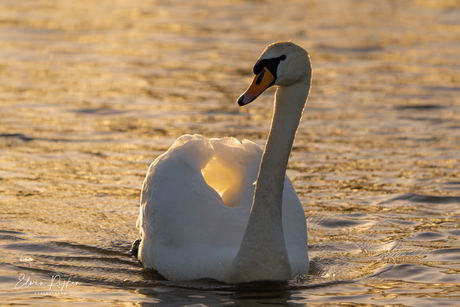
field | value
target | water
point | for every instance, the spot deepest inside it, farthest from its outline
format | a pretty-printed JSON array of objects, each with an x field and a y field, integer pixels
[{"x": 92, "y": 91}]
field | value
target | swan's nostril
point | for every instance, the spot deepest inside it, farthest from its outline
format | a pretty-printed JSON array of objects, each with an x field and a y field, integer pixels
[{"x": 261, "y": 76}]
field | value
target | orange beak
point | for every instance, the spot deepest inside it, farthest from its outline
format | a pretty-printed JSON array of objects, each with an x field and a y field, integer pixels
[{"x": 260, "y": 83}]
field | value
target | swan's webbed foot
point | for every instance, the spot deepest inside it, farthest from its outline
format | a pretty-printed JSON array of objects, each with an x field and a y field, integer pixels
[{"x": 135, "y": 248}]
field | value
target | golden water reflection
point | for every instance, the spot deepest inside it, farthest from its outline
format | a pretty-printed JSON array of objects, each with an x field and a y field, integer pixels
[{"x": 92, "y": 91}]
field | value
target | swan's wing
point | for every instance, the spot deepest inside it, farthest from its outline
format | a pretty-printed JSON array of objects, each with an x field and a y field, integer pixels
[
  {"x": 175, "y": 196},
  {"x": 186, "y": 229},
  {"x": 233, "y": 171}
]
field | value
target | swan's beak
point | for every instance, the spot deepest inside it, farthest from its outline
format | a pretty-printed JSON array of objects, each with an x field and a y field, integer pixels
[{"x": 260, "y": 83}]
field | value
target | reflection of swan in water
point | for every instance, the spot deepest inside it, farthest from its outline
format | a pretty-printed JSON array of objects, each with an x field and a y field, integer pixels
[{"x": 202, "y": 217}]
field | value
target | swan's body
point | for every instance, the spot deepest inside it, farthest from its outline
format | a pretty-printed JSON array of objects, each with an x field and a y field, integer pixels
[{"x": 201, "y": 215}]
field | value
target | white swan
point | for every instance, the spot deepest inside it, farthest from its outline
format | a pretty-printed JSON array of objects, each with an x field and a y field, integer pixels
[{"x": 201, "y": 215}]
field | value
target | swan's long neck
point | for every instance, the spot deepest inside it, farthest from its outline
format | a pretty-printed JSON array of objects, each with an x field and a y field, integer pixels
[
  {"x": 289, "y": 104},
  {"x": 262, "y": 254}
]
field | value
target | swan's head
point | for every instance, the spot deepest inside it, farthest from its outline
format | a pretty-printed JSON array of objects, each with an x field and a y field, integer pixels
[{"x": 282, "y": 64}]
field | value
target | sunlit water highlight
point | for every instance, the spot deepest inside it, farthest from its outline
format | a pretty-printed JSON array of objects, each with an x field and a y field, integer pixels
[{"x": 92, "y": 91}]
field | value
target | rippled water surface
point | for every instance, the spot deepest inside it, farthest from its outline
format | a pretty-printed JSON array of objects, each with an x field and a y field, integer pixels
[{"x": 91, "y": 92}]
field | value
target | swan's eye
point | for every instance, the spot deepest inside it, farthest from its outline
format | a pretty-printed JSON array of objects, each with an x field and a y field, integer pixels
[
  {"x": 270, "y": 64},
  {"x": 258, "y": 67}
]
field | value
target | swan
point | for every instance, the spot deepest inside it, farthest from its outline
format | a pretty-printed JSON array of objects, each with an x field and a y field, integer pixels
[{"x": 202, "y": 216}]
